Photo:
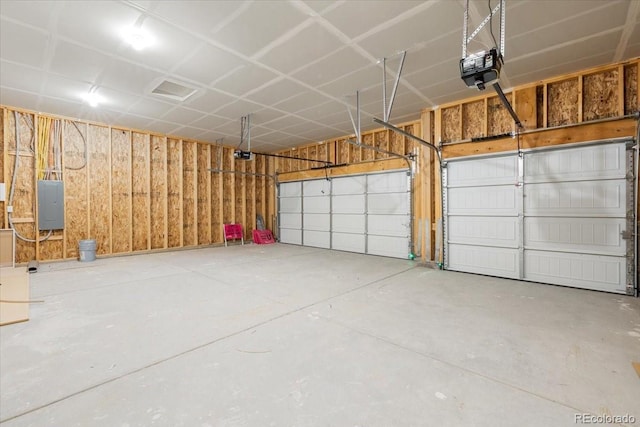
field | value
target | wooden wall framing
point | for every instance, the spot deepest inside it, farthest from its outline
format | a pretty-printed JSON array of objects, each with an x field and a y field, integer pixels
[
  {"x": 135, "y": 191},
  {"x": 130, "y": 190}
]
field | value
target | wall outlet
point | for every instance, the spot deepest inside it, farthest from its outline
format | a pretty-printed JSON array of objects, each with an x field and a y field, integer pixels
[
  {"x": 9, "y": 209},
  {"x": 3, "y": 192}
]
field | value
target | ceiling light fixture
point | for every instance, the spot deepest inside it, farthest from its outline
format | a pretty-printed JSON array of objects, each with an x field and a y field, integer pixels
[
  {"x": 93, "y": 99},
  {"x": 137, "y": 38}
]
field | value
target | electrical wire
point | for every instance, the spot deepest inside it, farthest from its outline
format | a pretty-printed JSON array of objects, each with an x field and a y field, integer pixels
[
  {"x": 13, "y": 185},
  {"x": 84, "y": 141}
]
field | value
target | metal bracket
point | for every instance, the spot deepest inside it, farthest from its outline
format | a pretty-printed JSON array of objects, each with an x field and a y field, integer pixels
[
  {"x": 465, "y": 28},
  {"x": 356, "y": 123},
  {"x": 386, "y": 110}
]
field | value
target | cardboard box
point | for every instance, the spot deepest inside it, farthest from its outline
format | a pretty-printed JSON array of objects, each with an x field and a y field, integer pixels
[{"x": 14, "y": 295}]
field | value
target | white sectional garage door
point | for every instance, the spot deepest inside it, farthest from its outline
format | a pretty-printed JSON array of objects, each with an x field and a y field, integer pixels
[
  {"x": 555, "y": 216},
  {"x": 367, "y": 214}
]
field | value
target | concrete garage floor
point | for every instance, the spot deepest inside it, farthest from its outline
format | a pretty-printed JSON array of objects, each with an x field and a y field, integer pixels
[{"x": 281, "y": 335}]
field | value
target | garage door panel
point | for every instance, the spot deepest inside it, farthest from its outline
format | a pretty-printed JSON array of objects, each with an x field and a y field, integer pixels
[
  {"x": 395, "y": 247},
  {"x": 389, "y": 204},
  {"x": 291, "y": 204},
  {"x": 584, "y": 235},
  {"x": 489, "y": 231},
  {"x": 348, "y": 242},
  {"x": 605, "y": 273},
  {"x": 354, "y": 204},
  {"x": 317, "y": 205},
  {"x": 479, "y": 201},
  {"x": 348, "y": 223},
  {"x": 580, "y": 198},
  {"x": 320, "y": 187},
  {"x": 502, "y": 262},
  {"x": 293, "y": 221},
  {"x": 349, "y": 185},
  {"x": 481, "y": 172},
  {"x": 605, "y": 161},
  {"x": 290, "y": 189},
  {"x": 317, "y": 239},
  {"x": 291, "y": 236},
  {"x": 317, "y": 222},
  {"x": 388, "y": 183},
  {"x": 388, "y": 225}
]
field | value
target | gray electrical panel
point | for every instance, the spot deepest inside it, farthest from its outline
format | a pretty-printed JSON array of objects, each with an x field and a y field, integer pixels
[{"x": 50, "y": 205}]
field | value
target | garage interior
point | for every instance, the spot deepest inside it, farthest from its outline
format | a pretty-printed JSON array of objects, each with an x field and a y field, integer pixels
[{"x": 443, "y": 253}]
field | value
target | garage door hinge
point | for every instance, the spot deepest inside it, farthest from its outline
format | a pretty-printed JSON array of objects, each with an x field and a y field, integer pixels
[{"x": 627, "y": 234}]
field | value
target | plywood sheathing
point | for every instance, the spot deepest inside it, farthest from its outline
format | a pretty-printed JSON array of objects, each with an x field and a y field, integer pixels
[
  {"x": 562, "y": 102},
  {"x": 451, "y": 121},
  {"x": 23, "y": 215},
  {"x": 217, "y": 211},
  {"x": 473, "y": 120},
  {"x": 3, "y": 172},
  {"x": 600, "y": 95},
  {"x": 140, "y": 187},
  {"x": 631, "y": 104},
  {"x": 499, "y": 119},
  {"x": 75, "y": 159},
  {"x": 120, "y": 191},
  {"x": 204, "y": 194},
  {"x": 159, "y": 192},
  {"x": 189, "y": 214},
  {"x": 228, "y": 187},
  {"x": 174, "y": 193}
]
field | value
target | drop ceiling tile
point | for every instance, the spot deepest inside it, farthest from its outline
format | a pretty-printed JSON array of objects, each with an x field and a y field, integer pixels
[
  {"x": 349, "y": 16},
  {"x": 632, "y": 51},
  {"x": 265, "y": 115},
  {"x": 237, "y": 109},
  {"x": 295, "y": 129},
  {"x": 207, "y": 64},
  {"x": 118, "y": 101},
  {"x": 229, "y": 128},
  {"x": 78, "y": 62},
  {"x": 244, "y": 79},
  {"x": 170, "y": 47},
  {"x": 283, "y": 122},
  {"x": 359, "y": 80},
  {"x": 276, "y": 91},
  {"x": 91, "y": 114},
  {"x": 200, "y": 16},
  {"x": 282, "y": 138},
  {"x": 151, "y": 108},
  {"x": 207, "y": 100},
  {"x": 445, "y": 48},
  {"x": 537, "y": 14},
  {"x": 64, "y": 88},
  {"x": 301, "y": 101},
  {"x": 415, "y": 30},
  {"x": 19, "y": 76},
  {"x": 22, "y": 44},
  {"x": 322, "y": 110},
  {"x": 128, "y": 77},
  {"x": 35, "y": 13},
  {"x": 259, "y": 25},
  {"x": 18, "y": 98},
  {"x": 210, "y": 122},
  {"x": 134, "y": 122},
  {"x": 98, "y": 24},
  {"x": 334, "y": 66},
  {"x": 583, "y": 25},
  {"x": 309, "y": 44},
  {"x": 184, "y": 116}
]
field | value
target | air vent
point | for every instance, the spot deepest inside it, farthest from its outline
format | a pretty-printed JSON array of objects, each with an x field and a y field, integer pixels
[{"x": 173, "y": 90}]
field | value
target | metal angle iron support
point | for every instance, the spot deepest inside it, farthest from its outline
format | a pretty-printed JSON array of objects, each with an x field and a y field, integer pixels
[
  {"x": 408, "y": 135},
  {"x": 386, "y": 109},
  {"x": 356, "y": 123},
  {"x": 465, "y": 29}
]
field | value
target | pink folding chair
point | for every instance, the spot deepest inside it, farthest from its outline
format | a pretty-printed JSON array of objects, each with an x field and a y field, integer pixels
[{"x": 232, "y": 232}]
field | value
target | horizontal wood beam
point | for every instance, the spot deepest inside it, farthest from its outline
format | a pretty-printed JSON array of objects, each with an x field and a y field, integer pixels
[
  {"x": 624, "y": 127},
  {"x": 358, "y": 168}
]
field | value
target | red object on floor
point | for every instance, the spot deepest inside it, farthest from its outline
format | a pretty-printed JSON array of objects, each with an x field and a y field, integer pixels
[
  {"x": 233, "y": 231},
  {"x": 263, "y": 237}
]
